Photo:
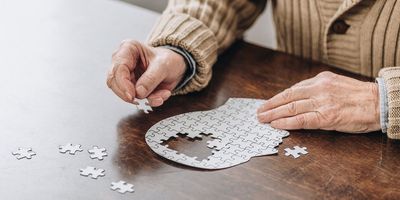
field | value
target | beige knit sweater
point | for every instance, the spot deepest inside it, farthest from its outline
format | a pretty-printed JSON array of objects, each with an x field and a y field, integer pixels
[{"x": 361, "y": 36}]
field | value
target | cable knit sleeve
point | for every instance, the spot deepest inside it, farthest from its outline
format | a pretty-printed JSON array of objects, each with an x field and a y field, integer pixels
[
  {"x": 204, "y": 28},
  {"x": 391, "y": 77}
]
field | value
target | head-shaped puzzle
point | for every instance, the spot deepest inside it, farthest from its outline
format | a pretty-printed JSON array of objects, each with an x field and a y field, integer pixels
[{"x": 237, "y": 134}]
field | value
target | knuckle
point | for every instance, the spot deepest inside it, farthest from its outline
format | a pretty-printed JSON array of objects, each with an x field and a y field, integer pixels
[
  {"x": 114, "y": 54},
  {"x": 292, "y": 108},
  {"x": 150, "y": 78},
  {"x": 301, "y": 121},
  {"x": 325, "y": 83},
  {"x": 287, "y": 94},
  {"x": 314, "y": 103},
  {"x": 128, "y": 42},
  {"x": 109, "y": 79},
  {"x": 108, "y": 82},
  {"x": 131, "y": 44},
  {"x": 325, "y": 74}
]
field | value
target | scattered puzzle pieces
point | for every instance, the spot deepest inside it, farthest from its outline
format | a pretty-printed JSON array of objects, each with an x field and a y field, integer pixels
[
  {"x": 24, "y": 153},
  {"x": 92, "y": 172},
  {"x": 143, "y": 104},
  {"x": 97, "y": 153},
  {"x": 72, "y": 149},
  {"x": 296, "y": 151},
  {"x": 122, "y": 187}
]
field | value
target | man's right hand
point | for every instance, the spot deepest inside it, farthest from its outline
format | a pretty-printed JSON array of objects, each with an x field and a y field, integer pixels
[{"x": 142, "y": 71}]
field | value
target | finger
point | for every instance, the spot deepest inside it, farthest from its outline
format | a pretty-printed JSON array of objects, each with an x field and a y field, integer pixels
[
  {"x": 149, "y": 80},
  {"x": 124, "y": 81},
  {"x": 126, "y": 55},
  {"x": 287, "y": 110},
  {"x": 158, "y": 97},
  {"x": 124, "y": 61},
  {"x": 306, "y": 82},
  {"x": 124, "y": 96},
  {"x": 110, "y": 77},
  {"x": 285, "y": 97},
  {"x": 308, "y": 120}
]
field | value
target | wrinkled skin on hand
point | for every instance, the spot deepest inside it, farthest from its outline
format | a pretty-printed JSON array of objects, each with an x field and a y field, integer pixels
[
  {"x": 142, "y": 71},
  {"x": 327, "y": 101}
]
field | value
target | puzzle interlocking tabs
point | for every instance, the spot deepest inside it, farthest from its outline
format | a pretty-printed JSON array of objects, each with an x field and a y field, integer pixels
[
  {"x": 72, "y": 149},
  {"x": 296, "y": 151},
  {"x": 142, "y": 104},
  {"x": 237, "y": 134},
  {"x": 92, "y": 172},
  {"x": 122, "y": 187},
  {"x": 97, "y": 153},
  {"x": 24, "y": 153}
]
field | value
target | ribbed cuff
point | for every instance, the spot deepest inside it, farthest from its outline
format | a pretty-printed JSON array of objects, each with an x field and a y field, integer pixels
[
  {"x": 190, "y": 65},
  {"x": 391, "y": 78},
  {"x": 186, "y": 32},
  {"x": 383, "y": 104}
]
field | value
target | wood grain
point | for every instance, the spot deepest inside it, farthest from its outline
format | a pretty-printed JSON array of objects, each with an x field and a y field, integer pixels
[{"x": 54, "y": 58}]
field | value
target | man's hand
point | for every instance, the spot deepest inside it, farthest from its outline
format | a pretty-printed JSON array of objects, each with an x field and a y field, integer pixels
[
  {"x": 327, "y": 101},
  {"x": 142, "y": 71}
]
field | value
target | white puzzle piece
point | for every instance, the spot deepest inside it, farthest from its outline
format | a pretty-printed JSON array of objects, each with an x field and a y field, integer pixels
[
  {"x": 122, "y": 187},
  {"x": 237, "y": 134},
  {"x": 97, "y": 153},
  {"x": 70, "y": 148},
  {"x": 296, "y": 151},
  {"x": 142, "y": 104},
  {"x": 92, "y": 172},
  {"x": 24, "y": 153}
]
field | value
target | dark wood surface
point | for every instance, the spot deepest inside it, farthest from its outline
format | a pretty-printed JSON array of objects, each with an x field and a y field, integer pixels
[{"x": 54, "y": 58}]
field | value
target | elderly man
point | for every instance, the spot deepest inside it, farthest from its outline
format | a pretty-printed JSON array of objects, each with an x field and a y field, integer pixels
[{"x": 361, "y": 36}]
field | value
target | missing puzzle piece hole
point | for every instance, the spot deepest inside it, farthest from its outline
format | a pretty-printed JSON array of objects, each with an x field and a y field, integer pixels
[{"x": 192, "y": 147}]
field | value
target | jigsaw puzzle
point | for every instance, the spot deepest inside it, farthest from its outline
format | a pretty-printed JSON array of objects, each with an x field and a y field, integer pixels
[
  {"x": 92, "y": 172},
  {"x": 24, "y": 153},
  {"x": 72, "y": 149},
  {"x": 142, "y": 104},
  {"x": 97, "y": 153},
  {"x": 237, "y": 134},
  {"x": 296, "y": 151},
  {"x": 122, "y": 187}
]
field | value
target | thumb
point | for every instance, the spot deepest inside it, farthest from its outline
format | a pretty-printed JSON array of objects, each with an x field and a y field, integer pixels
[{"x": 149, "y": 80}]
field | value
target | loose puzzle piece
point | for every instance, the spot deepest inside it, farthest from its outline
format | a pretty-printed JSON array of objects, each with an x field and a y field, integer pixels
[
  {"x": 122, "y": 187},
  {"x": 97, "y": 152},
  {"x": 143, "y": 104},
  {"x": 23, "y": 153},
  {"x": 92, "y": 172},
  {"x": 72, "y": 149},
  {"x": 296, "y": 151},
  {"x": 237, "y": 134}
]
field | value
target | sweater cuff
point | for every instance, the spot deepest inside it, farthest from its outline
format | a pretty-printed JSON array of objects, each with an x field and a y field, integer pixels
[
  {"x": 383, "y": 104},
  {"x": 190, "y": 34},
  {"x": 391, "y": 78}
]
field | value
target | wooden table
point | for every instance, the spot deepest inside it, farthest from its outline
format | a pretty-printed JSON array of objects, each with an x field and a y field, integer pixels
[{"x": 54, "y": 57}]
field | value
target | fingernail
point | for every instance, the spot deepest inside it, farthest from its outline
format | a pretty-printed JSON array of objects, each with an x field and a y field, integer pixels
[
  {"x": 141, "y": 91},
  {"x": 157, "y": 101},
  {"x": 262, "y": 108},
  {"x": 129, "y": 96},
  {"x": 274, "y": 124},
  {"x": 166, "y": 94},
  {"x": 262, "y": 115}
]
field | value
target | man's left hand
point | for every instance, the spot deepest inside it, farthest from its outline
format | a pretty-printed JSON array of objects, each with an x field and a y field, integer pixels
[{"x": 327, "y": 101}]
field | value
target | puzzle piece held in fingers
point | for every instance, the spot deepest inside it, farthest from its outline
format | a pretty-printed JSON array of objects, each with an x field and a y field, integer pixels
[{"x": 142, "y": 104}]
